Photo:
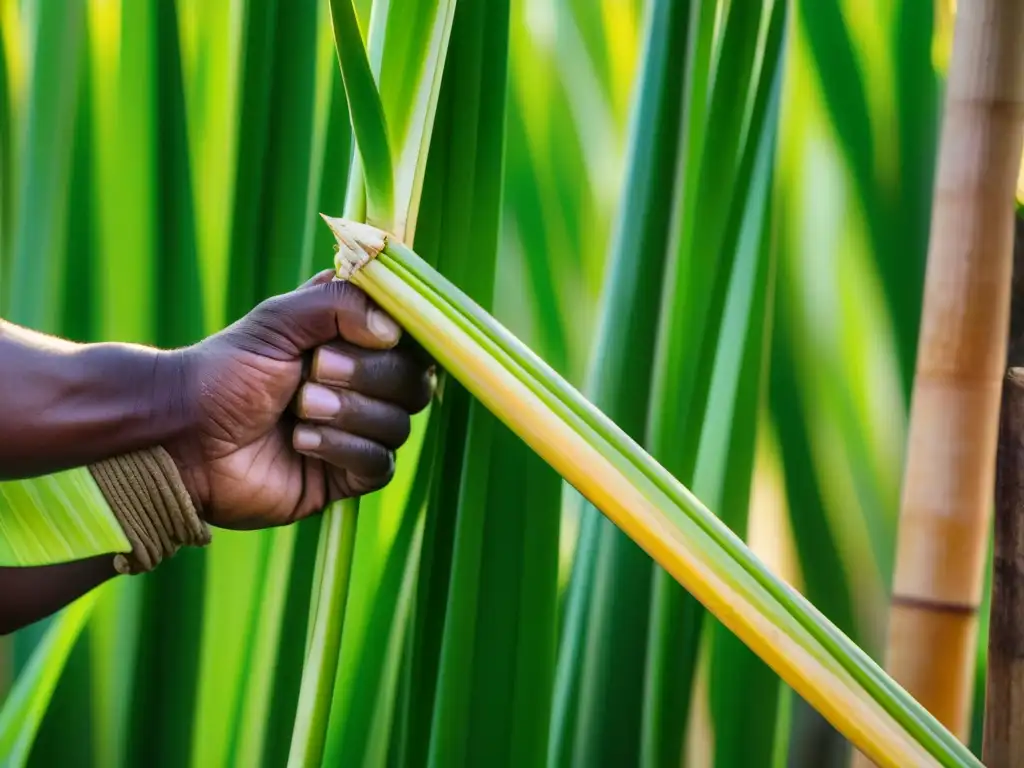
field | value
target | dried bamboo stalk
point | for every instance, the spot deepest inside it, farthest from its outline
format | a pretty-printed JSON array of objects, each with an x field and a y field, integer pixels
[
  {"x": 1004, "y": 701},
  {"x": 947, "y": 491}
]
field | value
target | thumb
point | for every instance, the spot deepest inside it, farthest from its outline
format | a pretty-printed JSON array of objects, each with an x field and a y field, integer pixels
[{"x": 321, "y": 312}]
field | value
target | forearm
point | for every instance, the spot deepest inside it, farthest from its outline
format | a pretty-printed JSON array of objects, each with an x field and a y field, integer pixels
[
  {"x": 66, "y": 405},
  {"x": 30, "y": 594}
]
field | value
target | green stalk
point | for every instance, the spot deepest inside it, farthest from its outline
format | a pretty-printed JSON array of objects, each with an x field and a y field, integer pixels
[
  {"x": 318, "y": 674},
  {"x": 631, "y": 459},
  {"x": 677, "y": 529},
  {"x": 377, "y": 616}
]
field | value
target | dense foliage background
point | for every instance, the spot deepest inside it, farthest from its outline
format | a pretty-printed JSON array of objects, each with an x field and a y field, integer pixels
[{"x": 161, "y": 166}]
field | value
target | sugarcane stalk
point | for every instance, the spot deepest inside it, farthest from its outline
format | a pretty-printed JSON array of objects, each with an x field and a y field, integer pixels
[
  {"x": 649, "y": 505},
  {"x": 950, "y": 462}
]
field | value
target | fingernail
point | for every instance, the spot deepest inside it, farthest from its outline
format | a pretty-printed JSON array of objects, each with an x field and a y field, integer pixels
[
  {"x": 383, "y": 327},
  {"x": 333, "y": 367},
  {"x": 306, "y": 438},
  {"x": 319, "y": 402}
]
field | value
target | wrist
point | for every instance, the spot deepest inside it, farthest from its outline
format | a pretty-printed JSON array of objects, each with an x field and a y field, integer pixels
[
  {"x": 147, "y": 486},
  {"x": 181, "y": 400},
  {"x": 153, "y": 507},
  {"x": 71, "y": 404},
  {"x": 141, "y": 391}
]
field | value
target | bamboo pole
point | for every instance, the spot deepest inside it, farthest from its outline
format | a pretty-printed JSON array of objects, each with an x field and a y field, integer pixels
[
  {"x": 947, "y": 491},
  {"x": 1004, "y": 700}
]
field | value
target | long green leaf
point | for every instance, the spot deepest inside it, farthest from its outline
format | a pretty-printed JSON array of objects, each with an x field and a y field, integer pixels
[
  {"x": 261, "y": 649},
  {"x": 56, "y": 518},
  {"x": 744, "y": 692},
  {"x": 896, "y": 218},
  {"x": 211, "y": 49},
  {"x": 41, "y": 205},
  {"x": 79, "y": 316},
  {"x": 412, "y": 730},
  {"x": 27, "y": 702},
  {"x": 336, "y": 159},
  {"x": 65, "y": 735},
  {"x": 917, "y": 101},
  {"x": 463, "y": 183},
  {"x": 6, "y": 162},
  {"x": 368, "y": 121},
  {"x": 466, "y": 729},
  {"x": 67, "y": 732},
  {"x": 742, "y": 112},
  {"x": 257, "y": 65},
  {"x": 377, "y": 613},
  {"x": 412, "y": 62},
  {"x": 601, "y": 659}
]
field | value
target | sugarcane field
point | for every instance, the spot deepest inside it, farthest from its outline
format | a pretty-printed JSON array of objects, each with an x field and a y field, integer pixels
[{"x": 524, "y": 383}]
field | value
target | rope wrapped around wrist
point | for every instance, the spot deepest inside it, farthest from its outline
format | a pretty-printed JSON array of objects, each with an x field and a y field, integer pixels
[{"x": 149, "y": 500}]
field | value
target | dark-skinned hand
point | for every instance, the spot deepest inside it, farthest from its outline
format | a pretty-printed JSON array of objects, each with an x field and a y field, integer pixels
[{"x": 300, "y": 403}]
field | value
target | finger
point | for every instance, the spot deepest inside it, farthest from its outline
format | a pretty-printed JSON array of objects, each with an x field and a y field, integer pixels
[
  {"x": 394, "y": 375},
  {"x": 415, "y": 350},
  {"x": 367, "y": 465},
  {"x": 296, "y": 322},
  {"x": 342, "y": 484},
  {"x": 352, "y": 412}
]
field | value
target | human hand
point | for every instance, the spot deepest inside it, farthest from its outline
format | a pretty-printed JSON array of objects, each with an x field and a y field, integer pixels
[{"x": 301, "y": 402}]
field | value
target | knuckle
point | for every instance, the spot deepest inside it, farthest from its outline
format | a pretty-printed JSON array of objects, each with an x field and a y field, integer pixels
[
  {"x": 346, "y": 295},
  {"x": 374, "y": 420},
  {"x": 349, "y": 404},
  {"x": 271, "y": 323},
  {"x": 272, "y": 306},
  {"x": 351, "y": 407}
]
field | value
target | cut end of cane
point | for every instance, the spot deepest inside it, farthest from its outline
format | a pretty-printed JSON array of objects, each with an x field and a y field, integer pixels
[{"x": 358, "y": 245}]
